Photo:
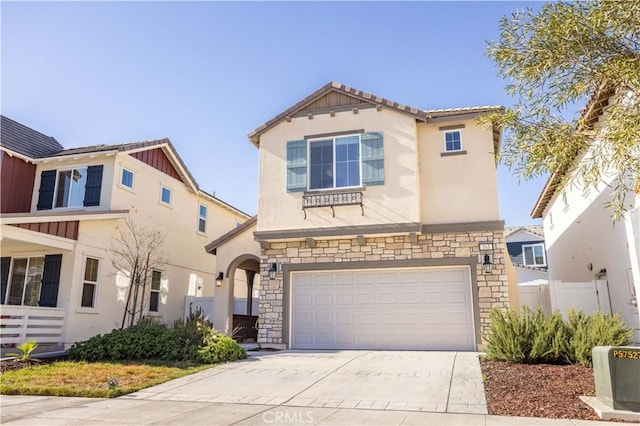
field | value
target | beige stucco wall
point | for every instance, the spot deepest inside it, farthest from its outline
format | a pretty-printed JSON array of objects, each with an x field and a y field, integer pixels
[
  {"x": 457, "y": 188},
  {"x": 393, "y": 202},
  {"x": 232, "y": 252}
]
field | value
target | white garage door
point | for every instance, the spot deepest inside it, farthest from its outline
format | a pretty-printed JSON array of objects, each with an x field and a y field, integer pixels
[{"x": 428, "y": 308}]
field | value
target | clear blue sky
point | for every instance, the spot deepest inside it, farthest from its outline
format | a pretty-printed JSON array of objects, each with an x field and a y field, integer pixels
[{"x": 204, "y": 74}]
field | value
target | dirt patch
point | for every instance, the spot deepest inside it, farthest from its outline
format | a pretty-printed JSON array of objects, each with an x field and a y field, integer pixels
[
  {"x": 17, "y": 364},
  {"x": 538, "y": 390}
]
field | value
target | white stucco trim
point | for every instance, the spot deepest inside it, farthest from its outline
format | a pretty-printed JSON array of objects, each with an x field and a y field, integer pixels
[{"x": 33, "y": 237}]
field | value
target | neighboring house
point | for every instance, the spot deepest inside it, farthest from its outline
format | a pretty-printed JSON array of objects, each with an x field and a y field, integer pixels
[
  {"x": 528, "y": 256},
  {"x": 583, "y": 244},
  {"x": 61, "y": 209},
  {"x": 377, "y": 228},
  {"x": 525, "y": 245}
]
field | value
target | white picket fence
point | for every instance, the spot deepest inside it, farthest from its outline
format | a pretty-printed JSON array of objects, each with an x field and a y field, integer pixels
[{"x": 20, "y": 324}]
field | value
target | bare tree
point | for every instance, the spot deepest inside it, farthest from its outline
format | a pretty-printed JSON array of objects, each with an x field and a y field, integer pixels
[{"x": 135, "y": 251}]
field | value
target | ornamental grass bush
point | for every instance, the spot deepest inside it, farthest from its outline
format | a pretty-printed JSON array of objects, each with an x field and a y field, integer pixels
[
  {"x": 533, "y": 337},
  {"x": 149, "y": 340}
]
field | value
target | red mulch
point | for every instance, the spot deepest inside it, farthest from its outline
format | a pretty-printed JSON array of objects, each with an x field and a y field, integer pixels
[
  {"x": 538, "y": 390},
  {"x": 523, "y": 390}
]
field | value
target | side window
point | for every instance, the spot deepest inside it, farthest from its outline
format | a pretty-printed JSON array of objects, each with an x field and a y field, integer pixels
[
  {"x": 126, "y": 179},
  {"x": 452, "y": 141},
  {"x": 154, "y": 298},
  {"x": 90, "y": 283},
  {"x": 202, "y": 219},
  {"x": 165, "y": 195}
]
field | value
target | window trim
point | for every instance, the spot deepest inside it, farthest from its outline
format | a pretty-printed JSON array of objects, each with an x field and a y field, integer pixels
[
  {"x": 95, "y": 284},
  {"x": 333, "y": 138},
  {"x": 533, "y": 246},
  {"x": 133, "y": 179},
  {"x": 201, "y": 218},
  {"x": 444, "y": 139},
  {"x": 54, "y": 205},
  {"x": 162, "y": 188}
]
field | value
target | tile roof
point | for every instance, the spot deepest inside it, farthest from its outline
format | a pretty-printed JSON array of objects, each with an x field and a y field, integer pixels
[
  {"x": 446, "y": 112},
  {"x": 419, "y": 114},
  {"x": 26, "y": 141},
  {"x": 532, "y": 229},
  {"x": 212, "y": 247},
  {"x": 112, "y": 147}
]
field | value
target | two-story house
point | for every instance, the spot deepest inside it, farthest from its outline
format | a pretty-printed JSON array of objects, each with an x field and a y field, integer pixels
[
  {"x": 62, "y": 209},
  {"x": 378, "y": 225},
  {"x": 528, "y": 255},
  {"x": 583, "y": 243}
]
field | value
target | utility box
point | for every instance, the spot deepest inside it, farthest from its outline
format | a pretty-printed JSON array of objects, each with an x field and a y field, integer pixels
[{"x": 616, "y": 370}]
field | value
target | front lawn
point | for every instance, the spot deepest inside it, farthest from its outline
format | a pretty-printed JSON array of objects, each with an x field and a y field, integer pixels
[{"x": 90, "y": 379}]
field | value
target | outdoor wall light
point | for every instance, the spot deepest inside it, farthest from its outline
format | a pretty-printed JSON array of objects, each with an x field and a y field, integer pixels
[
  {"x": 487, "y": 266},
  {"x": 272, "y": 270},
  {"x": 219, "y": 279}
]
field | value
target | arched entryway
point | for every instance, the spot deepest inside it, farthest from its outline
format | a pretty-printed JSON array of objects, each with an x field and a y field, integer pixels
[{"x": 244, "y": 298}]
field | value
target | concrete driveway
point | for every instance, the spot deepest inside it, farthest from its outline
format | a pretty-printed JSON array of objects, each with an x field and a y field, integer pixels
[{"x": 383, "y": 380}]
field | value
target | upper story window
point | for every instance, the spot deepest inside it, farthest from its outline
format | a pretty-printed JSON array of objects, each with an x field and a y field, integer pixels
[
  {"x": 202, "y": 220},
  {"x": 340, "y": 161},
  {"x": 165, "y": 195},
  {"x": 533, "y": 255},
  {"x": 334, "y": 163},
  {"x": 126, "y": 178},
  {"x": 71, "y": 186},
  {"x": 76, "y": 187},
  {"x": 452, "y": 141}
]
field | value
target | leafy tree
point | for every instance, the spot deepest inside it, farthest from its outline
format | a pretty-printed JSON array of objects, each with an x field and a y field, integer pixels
[{"x": 558, "y": 58}]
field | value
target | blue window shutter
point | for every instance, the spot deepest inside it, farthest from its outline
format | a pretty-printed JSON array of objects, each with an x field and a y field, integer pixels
[
  {"x": 47, "y": 188},
  {"x": 50, "y": 280},
  {"x": 297, "y": 166},
  {"x": 372, "y": 159},
  {"x": 5, "y": 263},
  {"x": 93, "y": 186}
]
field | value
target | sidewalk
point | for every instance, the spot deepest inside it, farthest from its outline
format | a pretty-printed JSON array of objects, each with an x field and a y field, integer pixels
[{"x": 37, "y": 410}]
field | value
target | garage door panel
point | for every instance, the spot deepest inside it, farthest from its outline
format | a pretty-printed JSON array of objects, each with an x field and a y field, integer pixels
[
  {"x": 387, "y": 309},
  {"x": 344, "y": 318}
]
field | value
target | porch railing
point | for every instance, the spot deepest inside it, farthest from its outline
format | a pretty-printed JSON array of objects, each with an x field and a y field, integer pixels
[{"x": 19, "y": 324}]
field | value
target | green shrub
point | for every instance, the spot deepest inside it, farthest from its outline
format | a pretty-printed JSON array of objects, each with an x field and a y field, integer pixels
[
  {"x": 193, "y": 340},
  {"x": 597, "y": 329},
  {"x": 526, "y": 337},
  {"x": 536, "y": 337},
  {"x": 145, "y": 340},
  {"x": 219, "y": 347}
]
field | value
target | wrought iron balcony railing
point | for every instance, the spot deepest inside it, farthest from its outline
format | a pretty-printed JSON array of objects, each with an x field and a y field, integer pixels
[{"x": 332, "y": 199}]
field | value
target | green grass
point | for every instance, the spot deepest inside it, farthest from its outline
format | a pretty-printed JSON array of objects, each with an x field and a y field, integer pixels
[{"x": 78, "y": 378}]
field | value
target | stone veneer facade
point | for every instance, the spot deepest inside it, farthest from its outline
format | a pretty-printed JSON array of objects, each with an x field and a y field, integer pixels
[{"x": 461, "y": 247}]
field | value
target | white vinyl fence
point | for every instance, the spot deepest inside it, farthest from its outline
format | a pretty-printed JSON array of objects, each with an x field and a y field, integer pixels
[
  {"x": 588, "y": 296},
  {"x": 20, "y": 324}
]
